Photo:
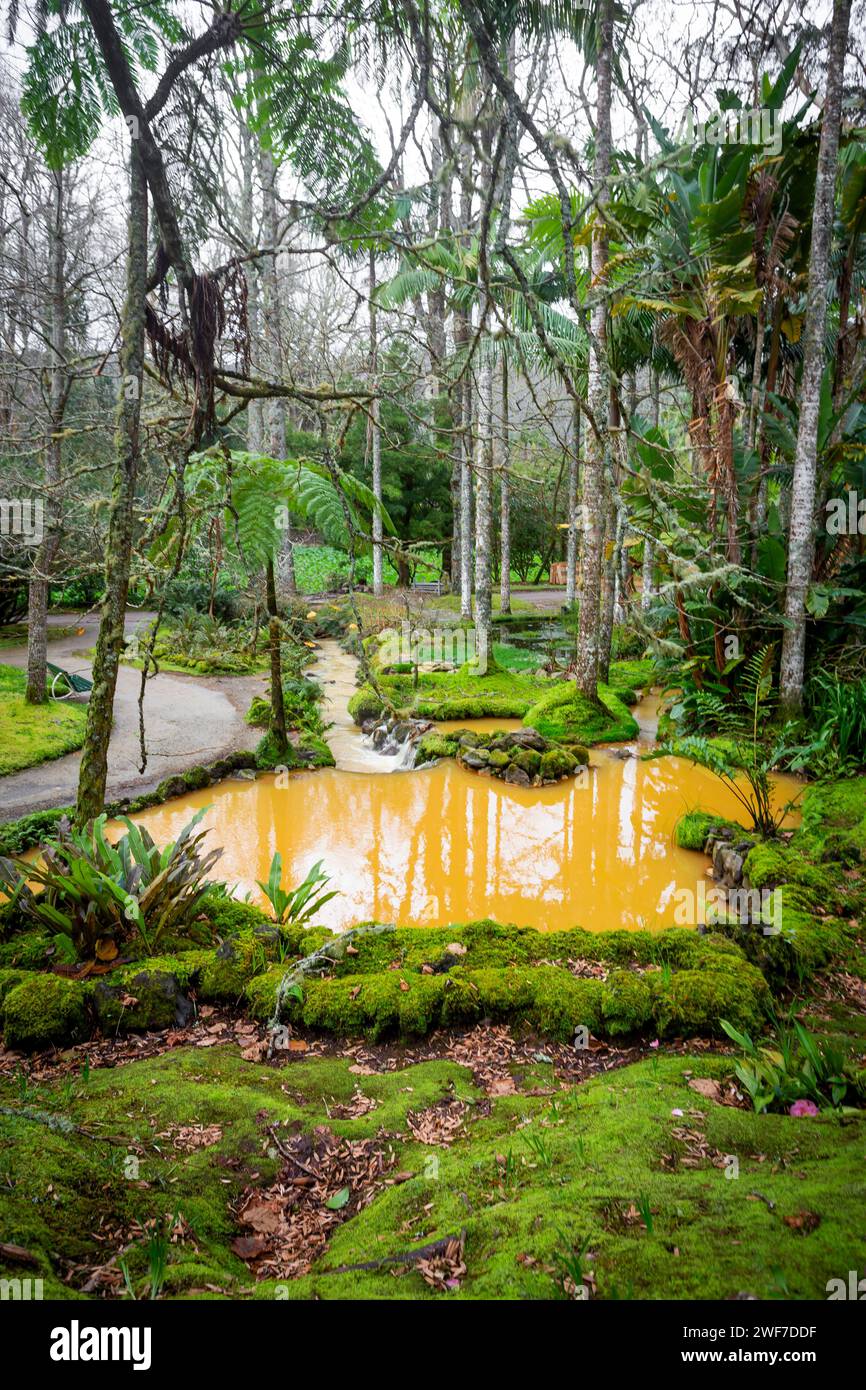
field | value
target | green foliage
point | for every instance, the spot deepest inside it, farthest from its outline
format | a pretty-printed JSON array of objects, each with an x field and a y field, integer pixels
[
  {"x": 99, "y": 895},
  {"x": 749, "y": 762},
  {"x": 837, "y": 713},
  {"x": 32, "y": 734},
  {"x": 798, "y": 1066},
  {"x": 297, "y": 905}
]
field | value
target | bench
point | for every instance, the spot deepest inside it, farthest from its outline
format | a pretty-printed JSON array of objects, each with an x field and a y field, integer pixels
[
  {"x": 432, "y": 586},
  {"x": 75, "y": 685}
]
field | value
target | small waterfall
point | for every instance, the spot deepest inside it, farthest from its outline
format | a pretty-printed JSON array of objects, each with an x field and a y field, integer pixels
[{"x": 395, "y": 740}]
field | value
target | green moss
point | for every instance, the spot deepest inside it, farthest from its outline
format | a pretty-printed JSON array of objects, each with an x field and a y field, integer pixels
[
  {"x": 365, "y": 704},
  {"x": 556, "y": 763},
  {"x": 28, "y": 949},
  {"x": 769, "y": 865},
  {"x": 626, "y": 1002},
  {"x": 694, "y": 1001},
  {"x": 606, "y": 1143},
  {"x": 694, "y": 828},
  {"x": 32, "y": 734},
  {"x": 834, "y": 819},
  {"x": 564, "y": 714},
  {"x": 435, "y": 745},
  {"x": 529, "y": 759},
  {"x": 632, "y": 675},
  {"x": 16, "y": 836},
  {"x": 9, "y": 978},
  {"x": 141, "y": 999},
  {"x": 45, "y": 1009}
]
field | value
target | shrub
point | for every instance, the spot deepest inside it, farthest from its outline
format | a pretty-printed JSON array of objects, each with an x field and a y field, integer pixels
[{"x": 99, "y": 894}]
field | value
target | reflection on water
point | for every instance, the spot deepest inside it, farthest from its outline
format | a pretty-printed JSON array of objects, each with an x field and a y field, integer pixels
[{"x": 443, "y": 845}]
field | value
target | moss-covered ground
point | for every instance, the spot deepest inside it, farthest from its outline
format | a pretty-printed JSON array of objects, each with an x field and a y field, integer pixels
[
  {"x": 31, "y": 734},
  {"x": 628, "y": 1169},
  {"x": 554, "y": 708},
  {"x": 628, "y": 1182}
]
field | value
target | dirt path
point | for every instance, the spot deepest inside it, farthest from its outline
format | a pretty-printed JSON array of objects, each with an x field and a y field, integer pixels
[{"x": 188, "y": 720}]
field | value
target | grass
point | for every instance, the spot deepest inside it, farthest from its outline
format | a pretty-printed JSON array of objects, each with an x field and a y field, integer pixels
[
  {"x": 31, "y": 734},
  {"x": 633, "y": 1205},
  {"x": 15, "y": 634}
]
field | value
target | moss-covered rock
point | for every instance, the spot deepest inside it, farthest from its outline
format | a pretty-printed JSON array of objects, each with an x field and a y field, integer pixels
[
  {"x": 695, "y": 1001},
  {"x": 147, "y": 999},
  {"x": 565, "y": 715},
  {"x": 693, "y": 829},
  {"x": 365, "y": 704},
  {"x": 626, "y": 1002},
  {"x": 557, "y": 763},
  {"x": 44, "y": 1010}
]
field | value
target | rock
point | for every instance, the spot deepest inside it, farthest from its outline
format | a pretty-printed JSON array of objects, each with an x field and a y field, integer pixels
[
  {"x": 556, "y": 763},
  {"x": 525, "y": 738},
  {"x": 727, "y": 866},
  {"x": 469, "y": 740},
  {"x": 150, "y": 999},
  {"x": 516, "y": 776},
  {"x": 475, "y": 758},
  {"x": 401, "y": 731},
  {"x": 497, "y": 757},
  {"x": 244, "y": 774},
  {"x": 529, "y": 759}
]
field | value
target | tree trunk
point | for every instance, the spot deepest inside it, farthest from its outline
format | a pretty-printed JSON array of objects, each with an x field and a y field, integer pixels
[
  {"x": 37, "y": 615},
  {"x": 466, "y": 503},
  {"x": 505, "y": 500},
  {"x": 375, "y": 431},
  {"x": 573, "y": 519},
  {"x": 275, "y": 411},
  {"x": 278, "y": 708},
  {"x": 801, "y": 538},
  {"x": 483, "y": 506},
  {"x": 598, "y": 390},
  {"x": 93, "y": 770}
]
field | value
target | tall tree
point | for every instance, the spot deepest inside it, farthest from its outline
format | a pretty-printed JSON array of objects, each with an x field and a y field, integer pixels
[
  {"x": 58, "y": 391},
  {"x": 588, "y": 641},
  {"x": 801, "y": 536}
]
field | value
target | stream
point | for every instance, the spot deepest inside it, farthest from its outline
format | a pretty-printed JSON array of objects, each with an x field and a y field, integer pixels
[{"x": 441, "y": 844}]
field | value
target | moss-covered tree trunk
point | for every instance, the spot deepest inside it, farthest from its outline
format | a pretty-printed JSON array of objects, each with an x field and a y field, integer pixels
[
  {"x": 505, "y": 497},
  {"x": 591, "y": 560},
  {"x": 801, "y": 539},
  {"x": 37, "y": 599},
  {"x": 572, "y": 512},
  {"x": 278, "y": 708},
  {"x": 93, "y": 771}
]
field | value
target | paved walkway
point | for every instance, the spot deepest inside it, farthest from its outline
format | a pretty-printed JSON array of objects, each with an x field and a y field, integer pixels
[{"x": 188, "y": 720}]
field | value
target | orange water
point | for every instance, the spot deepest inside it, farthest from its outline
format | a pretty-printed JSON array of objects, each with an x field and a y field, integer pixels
[{"x": 444, "y": 845}]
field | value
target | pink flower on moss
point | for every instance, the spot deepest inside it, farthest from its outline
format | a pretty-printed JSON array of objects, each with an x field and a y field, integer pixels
[
  {"x": 803, "y": 1107},
  {"x": 654, "y": 1043}
]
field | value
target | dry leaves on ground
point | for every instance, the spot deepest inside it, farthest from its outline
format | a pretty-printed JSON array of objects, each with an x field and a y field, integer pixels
[
  {"x": 440, "y": 1124},
  {"x": 323, "y": 1181}
]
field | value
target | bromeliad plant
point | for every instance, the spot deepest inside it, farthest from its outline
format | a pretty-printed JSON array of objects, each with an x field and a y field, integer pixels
[
  {"x": 298, "y": 905},
  {"x": 797, "y": 1072},
  {"x": 99, "y": 895}
]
